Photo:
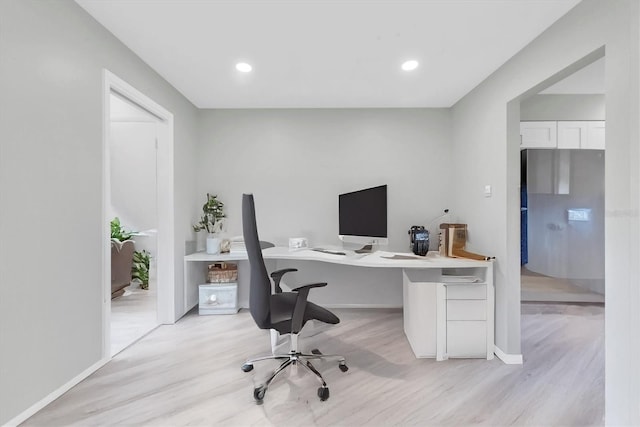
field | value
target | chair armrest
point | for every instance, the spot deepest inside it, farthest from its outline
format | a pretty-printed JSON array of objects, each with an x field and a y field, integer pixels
[
  {"x": 309, "y": 286},
  {"x": 301, "y": 304},
  {"x": 277, "y": 277}
]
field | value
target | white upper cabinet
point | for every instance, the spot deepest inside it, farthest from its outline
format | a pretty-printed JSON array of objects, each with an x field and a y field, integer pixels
[
  {"x": 572, "y": 134},
  {"x": 595, "y": 135},
  {"x": 538, "y": 135},
  {"x": 563, "y": 134}
]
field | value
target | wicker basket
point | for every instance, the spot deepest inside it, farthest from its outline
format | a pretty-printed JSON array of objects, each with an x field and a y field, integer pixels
[{"x": 222, "y": 272}]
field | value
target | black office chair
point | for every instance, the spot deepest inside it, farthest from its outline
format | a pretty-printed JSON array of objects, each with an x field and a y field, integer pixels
[{"x": 286, "y": 312}]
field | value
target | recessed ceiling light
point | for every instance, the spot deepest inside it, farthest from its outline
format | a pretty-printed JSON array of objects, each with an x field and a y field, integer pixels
[
  {"x": 410, "y": 65},
  {"x": 243, "y": 67}
]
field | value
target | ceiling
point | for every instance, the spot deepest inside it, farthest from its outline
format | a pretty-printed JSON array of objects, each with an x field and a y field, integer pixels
[{"x": 325, "y": 54}]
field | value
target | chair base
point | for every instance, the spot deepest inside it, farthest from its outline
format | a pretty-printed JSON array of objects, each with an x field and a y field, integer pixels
[{"x": 294, "y": 358}]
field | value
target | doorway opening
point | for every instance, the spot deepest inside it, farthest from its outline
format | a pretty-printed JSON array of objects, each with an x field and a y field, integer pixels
[
  {"x": 562, "y": 189},
  {"x": 133, "y": 140},
  {"x": 137, "y": 190}
]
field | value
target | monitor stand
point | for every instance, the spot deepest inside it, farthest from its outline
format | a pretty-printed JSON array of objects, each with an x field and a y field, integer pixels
[{"x": 366, "y": 249}]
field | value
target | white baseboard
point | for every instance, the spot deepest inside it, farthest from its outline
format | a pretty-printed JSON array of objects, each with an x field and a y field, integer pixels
[
  {"x": 22, "y": 417},
  {"x": 509, "y": 359}
]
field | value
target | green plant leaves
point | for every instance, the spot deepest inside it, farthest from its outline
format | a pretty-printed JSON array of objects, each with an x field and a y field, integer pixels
[
  {"x": 212, "y": 215},
  {"x": 118, "y": 232},
  {"x": 140, "y": 269}
]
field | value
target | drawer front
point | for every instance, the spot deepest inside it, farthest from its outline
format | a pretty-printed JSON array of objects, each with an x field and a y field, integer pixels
[
  {"x": 466, "y": 338},
  {"x": 468, "y": 309},
  {"x": 475, "y": 291}
]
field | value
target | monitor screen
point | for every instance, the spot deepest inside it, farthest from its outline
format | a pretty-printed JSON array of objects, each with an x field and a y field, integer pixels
[{"x": 363, "y": 213}]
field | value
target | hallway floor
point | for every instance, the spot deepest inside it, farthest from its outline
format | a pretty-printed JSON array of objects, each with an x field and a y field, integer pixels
[
  {"x": 133, "y": 315},
  {"x": 537, "y": 287}
]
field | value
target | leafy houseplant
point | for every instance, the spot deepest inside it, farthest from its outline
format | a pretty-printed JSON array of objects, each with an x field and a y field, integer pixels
[
  {"x": 211, "y": 221},
  {"x": 118, "y": 233},
  {"x": 140, "y": 269},
  {"x": 212, "y": 214}
]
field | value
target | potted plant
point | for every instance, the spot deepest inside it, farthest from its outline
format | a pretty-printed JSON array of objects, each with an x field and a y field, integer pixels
[
  {"x": 118, "y": 233},
  {"x": 140, "y": 269},
  {"x": 211, "y": 221}
]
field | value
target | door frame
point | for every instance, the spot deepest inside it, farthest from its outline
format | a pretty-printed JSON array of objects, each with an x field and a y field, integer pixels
[
  {"x": 165, "y": 258},
  {"x": 513, "y": 270}
]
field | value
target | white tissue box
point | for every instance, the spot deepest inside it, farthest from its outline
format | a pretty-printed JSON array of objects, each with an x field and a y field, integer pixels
[{"x": 298, "y": 243}]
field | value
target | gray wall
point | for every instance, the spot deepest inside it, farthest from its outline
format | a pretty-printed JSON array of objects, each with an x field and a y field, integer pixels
[
  {"x": 486, "y": 147},
  {"x": 296, "y": 162},
  {"x": 563, "y": 107},
  {"x": 51, "y": 159}
]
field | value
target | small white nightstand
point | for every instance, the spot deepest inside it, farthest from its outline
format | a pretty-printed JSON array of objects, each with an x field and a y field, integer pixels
[{"x": 218, "y": 298}]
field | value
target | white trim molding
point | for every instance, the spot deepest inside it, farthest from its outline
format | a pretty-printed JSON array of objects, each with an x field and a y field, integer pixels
[
  {"x": 165, "y": 257},
  {"x": 33, "y": 409},
  {"x": 509, "y": 359}
]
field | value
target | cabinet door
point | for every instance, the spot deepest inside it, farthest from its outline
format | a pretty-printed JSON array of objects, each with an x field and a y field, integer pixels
[
  {"x": 595, "y": 135},
  {"x": 572, "y": 134},
  {"x": 538, "y": 135},
  {"x": 420, "y": 316}
]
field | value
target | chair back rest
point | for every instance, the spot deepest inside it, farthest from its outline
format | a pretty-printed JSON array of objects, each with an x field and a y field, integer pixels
[{"x": 260, "y": 284}]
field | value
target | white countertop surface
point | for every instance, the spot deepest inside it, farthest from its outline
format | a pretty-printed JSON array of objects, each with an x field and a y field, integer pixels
[{"x": 376, "y": 259}]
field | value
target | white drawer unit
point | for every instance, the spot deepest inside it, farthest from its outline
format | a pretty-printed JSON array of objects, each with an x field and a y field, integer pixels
[
  {"x": 469, "y": 320},
  {"x": 218, "y": 298},
  {"x": 450, "y": 312}
]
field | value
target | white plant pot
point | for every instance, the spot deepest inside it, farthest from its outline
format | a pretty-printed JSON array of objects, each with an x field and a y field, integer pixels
[{"x": 213, "y": 244}]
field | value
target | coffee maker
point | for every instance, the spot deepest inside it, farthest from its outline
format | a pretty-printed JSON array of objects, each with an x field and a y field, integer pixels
[{"x": 419, "y": 237}]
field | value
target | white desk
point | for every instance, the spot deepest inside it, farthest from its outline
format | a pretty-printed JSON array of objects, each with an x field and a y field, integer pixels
[{"x": 444, "y": 315}]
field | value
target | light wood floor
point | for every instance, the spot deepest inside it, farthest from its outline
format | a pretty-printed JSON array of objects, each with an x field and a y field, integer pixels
[
  {"x": 541, "y": 288},
  {"x": 133, "y": 315},
  {"x": 189, "y": 374}
]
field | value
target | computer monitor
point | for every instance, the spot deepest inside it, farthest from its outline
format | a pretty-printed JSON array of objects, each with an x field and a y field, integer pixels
[{"x": 363, "y": 216}]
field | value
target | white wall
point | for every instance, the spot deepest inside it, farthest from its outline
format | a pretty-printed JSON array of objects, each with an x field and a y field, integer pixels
[
  {"x": 563, "y": 107},
  {"x": 486, "y": 144},
  {"x": 133, "y": 174},
  {"x": 51, "y": 296},
  {"x": 296, "y": 162}
]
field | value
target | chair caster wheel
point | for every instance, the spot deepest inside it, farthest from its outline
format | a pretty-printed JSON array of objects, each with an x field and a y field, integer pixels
[
  {"x": 258, "y": 394},
  {"x": 323, "y": 393},
  {"x": 247, "y": 367},
  {"x": 343, "y": 367}
]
